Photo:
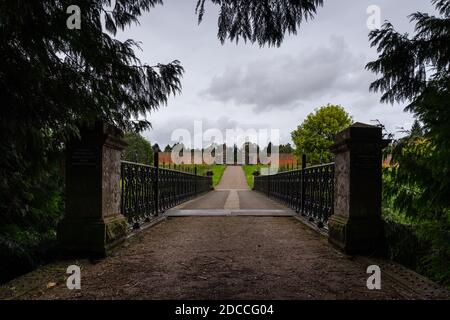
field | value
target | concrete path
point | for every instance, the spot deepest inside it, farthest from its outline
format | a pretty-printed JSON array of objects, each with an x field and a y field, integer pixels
[
  {"x": 233, "y": 178},
  {"x": 231, "y": 199},
  {"x": 231, "y": 194}
]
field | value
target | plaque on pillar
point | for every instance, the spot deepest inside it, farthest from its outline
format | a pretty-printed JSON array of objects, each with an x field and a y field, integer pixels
[
  {"x": 92, "y": 224},
  {"x": 356, "y": 226}
]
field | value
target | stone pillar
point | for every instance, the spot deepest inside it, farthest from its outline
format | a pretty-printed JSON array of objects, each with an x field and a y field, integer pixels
[
  {"x": 356, "y": 226},
  {"x": 92, "y": 223}
]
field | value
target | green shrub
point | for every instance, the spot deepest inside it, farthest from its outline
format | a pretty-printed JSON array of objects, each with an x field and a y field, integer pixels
[
  {"x": 403, "y": 244},
  {"x": 28, "y": 233},
  {"x": 415, "y": 238}
]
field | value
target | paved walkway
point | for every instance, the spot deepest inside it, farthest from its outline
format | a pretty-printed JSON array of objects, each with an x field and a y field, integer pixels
[
  {"x": 232, "y": 193},
  {"x": 233, "y": 178},
  {"x": 231, "y": 199},
  {"x": 229, "y": 256}
]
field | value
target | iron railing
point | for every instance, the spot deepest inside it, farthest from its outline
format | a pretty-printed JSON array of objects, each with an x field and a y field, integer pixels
[
  {"x": 308, "y": 191},
  {"x": 148, "y": 191}
]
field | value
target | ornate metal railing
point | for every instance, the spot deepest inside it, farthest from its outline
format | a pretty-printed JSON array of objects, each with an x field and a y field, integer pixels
[
  {"x": 148, "y": 191},
  {"x": 308, "y": 191}
]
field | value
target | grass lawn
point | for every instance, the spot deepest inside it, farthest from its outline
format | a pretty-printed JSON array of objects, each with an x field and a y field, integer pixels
[
  {"x": 217, "y": 170},
  {"x": 249, "y": 169}
]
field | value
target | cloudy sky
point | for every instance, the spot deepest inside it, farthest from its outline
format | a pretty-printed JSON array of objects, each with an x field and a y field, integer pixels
[{"x": 243, "y": 85}]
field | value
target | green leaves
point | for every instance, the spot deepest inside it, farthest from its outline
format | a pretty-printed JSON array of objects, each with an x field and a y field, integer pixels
[
  {"x": 416, "y": 69},
  {"x": 138, "y": 150},
  {"x": 315, "y": 135},
  {"x": 409, "y": 65}
]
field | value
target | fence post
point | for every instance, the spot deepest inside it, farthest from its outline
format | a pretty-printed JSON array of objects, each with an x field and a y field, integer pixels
[
  {"x": 92, "y": 224},
  {"x": 302, "y": 204},
  {"x": 156, "y": 182},
  {"x": 356, "y": 226},
  {"x": 196, "y": 181}
]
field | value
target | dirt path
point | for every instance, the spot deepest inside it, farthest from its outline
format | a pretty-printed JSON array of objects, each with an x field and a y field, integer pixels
[
  {"x": 233, "y": 254},
  {"x": 214, "y": 258}
]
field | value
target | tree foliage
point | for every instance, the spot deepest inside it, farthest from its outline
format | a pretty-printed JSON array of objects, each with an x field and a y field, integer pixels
[
  {"x": 168, "y": 148},
  {"x": 315, "y": 135},
  {"x": 138, "y": 150},
  {"x": 53, "y": 79},
  {"x": 286, "y": 148},
  {"x": 408, "y": 200},
  {"x": 415, "y": 69},
  {"x": 260, "y": 21}
]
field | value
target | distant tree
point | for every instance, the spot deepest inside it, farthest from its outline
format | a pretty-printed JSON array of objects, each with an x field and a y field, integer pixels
[
  {"x": 286, "y": 148},
  {"x": 246, "y": 148},
  {"x": 249, "y": 150},
  {"x": 416, "y": 130},
  {"x": 315, "y": 135},
  {"x": 138, "y": 150},
  {"x": 168, "y": 148}
]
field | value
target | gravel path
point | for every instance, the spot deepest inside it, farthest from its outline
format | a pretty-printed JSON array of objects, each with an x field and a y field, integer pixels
[
  {"x": 220, "y": 257},
  {"x": 214, "y": 258}
]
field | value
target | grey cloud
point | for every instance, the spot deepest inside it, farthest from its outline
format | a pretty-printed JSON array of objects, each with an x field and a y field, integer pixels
[
  {"x": 285, "y": 81},
  {"x": 307, "y": 71}
]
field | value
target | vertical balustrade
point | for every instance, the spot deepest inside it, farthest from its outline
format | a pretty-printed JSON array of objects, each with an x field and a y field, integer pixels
[
  {"x": 147, "y": 191},
  {"x": 307, "y": 191}
]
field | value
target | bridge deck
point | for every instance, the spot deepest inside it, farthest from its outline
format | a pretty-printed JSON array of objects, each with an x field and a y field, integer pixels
[
  {"x": 230, "y": 254},
  {"x": 232, "y": 193},
  {"x": 220, "y": 258}
]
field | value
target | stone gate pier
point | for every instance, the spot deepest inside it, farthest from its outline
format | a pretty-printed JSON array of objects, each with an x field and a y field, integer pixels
[
  {"x": 93, "y": 223},
  {"x": 356, "y": 226}
]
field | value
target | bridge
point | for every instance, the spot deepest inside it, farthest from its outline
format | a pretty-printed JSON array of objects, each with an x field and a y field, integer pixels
[{"x": 164, "y": 234}]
